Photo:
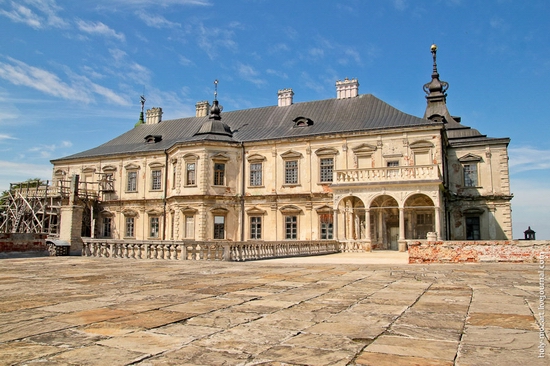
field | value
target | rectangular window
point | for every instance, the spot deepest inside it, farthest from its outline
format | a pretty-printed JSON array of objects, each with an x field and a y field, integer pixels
[
  {"x": 393, "y": 173},
  {"x": 424, "y": 219},
  {"x": 219, "y": 174},
  {"x": 327, "y": 165},
  {"x": 106, "y": 227},
  {"x": 326, "y": 226},
  {"x": 219, "y": 227},
  {"x": 190, "y": 180},
  {"x": 154, "y": 226},
  {"x": 131, "y": 185},
  {"x": 156, "y": 180},
  {"x": 189, "y": 227},
  {"x": 174, "y": 173},
  {"x": 256, "y": 174},
  {"x": 470, "y": 175},
  {"x": 473, "y": 231},
  {"x": 129, "y": 233},
  {"x": 291, "y": 172},
  {"x": 291, "y": 227},
  {"x": 255, "y": 227}
]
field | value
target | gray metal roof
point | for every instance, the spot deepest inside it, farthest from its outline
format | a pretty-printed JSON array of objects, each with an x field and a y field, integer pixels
[{"x": 362, "y": 113}]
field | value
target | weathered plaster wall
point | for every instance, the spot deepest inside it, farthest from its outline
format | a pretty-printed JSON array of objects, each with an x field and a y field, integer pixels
[{"x": 525, "y": 251}]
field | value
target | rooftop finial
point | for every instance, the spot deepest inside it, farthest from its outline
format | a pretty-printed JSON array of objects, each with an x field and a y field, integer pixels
[
  {"x": 216, "y": 108},
  {"x": 433, "y": 48},
  {"x": 436, "y": 87},
  {"x": 141, "y": 120}
]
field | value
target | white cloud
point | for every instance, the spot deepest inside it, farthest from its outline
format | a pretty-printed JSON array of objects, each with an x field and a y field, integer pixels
[
  {"x": 156, "y": 21},
  {"x": 13, "y": 172},
  {"x": 527, "y": 158},
  {"x": 211, "y": 38},
  {"x": 400, "y": 5},
  {"x": 163, "y": 3},
  {"x": 185, "y": 61},
  {"x": 530, "y": 207},
  {"x": 98, "y": 28},
  {"x": 47, "y": 18},
  {"x": 6, "y": 137},
  {"x": 248, "y": 73},
  {"x": 280, "y": 74},
  {"x": 80, "y": 88}
]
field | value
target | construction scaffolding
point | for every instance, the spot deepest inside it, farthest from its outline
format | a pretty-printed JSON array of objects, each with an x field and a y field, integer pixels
[{"x": 35, "y": 206}]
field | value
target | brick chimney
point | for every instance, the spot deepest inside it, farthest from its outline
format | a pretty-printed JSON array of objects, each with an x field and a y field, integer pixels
[
  {"x": 285, "y": 97},
  {"x": 347, "y": 88},
  {"x": 154, "y": 116},
  {"x": 202, "y": 108}
]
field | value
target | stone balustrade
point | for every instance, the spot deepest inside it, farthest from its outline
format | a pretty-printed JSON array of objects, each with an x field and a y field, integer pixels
[
  {"x": 386, "y": 174},
  {"x": 193, "y": 250}
]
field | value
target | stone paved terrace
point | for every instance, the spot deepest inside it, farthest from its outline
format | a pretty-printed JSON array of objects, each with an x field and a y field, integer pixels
[{"x": 339, "y": 311}]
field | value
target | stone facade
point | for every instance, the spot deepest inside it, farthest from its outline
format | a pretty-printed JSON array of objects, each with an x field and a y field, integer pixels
[{"x": 370, "y": 182}]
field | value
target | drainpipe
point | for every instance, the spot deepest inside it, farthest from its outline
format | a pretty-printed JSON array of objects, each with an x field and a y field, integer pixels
[
  {"x": 164, "y": 193},
  {"x": 243, "y": 180}
]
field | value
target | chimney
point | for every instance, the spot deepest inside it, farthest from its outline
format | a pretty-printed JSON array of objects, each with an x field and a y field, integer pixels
[
  {"x": 154, "y": 116},
  {"x": 202, "y": 108},
  {"x": 347, "y": 88},
  {"x": 285, "y": 97}
]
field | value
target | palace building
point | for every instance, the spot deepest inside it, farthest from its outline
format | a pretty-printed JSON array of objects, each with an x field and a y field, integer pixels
[{"x": 352, "y": 169}]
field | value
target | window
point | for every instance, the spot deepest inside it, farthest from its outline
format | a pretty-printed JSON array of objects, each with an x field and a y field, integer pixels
[
  {"x": 326, "y": 221},
  {"x": 291, "y": 172},
  {"x": 131, "y": 185},
  {"x": 219, "y": 174},
  {"x": 291, "y": 227},
  {"x": 189, "y": 227},
  {"x": 190, "y": 176},
  {"x": 154, "y": 226},
  {"x": 129, "y": 232},
  {"x": 470, "y": 175},
  {"x": 174, "y": 174},
  {"x": 327, "y": 165},
  {"x": 219, "y": 227},
  {"x": 156, "y": 180},
  {"x": 424, "y": 219},
  {"x": 473, "y": 228},
  {"x": 106, "y": 228},
  {"x": 256, "y": 174},
  {"x": 255, "y": 227},
  {"x": 393, "y": 163}
]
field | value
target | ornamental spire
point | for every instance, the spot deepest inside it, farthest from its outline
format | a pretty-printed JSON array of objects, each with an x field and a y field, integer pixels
[
  {"x": 436, "y": 87},
  {"x": 436, "y": 110},
  {"x": 141, "y": 120},
  {"x": 216, "y": 108}
]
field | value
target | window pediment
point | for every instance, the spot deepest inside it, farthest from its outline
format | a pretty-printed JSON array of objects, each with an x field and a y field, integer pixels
[
  {"x": 130, "y": 213},
  {"x": 324, "y": 209},
  {"x": 154, "y": 212},
  {"x": 290, "y": 210},
  {"x": 473, "y": 211},
  {"x": 109, "y": 168},
  {"x": 132, "y": 166},
  {"x": 256, "y": 158},
  {"x": 324, "y": 151},
  {"x": 156, "y": 164},
  {"x": 107, "y": 213},
  {"x": 364, "y": 149},
  {"x": 60, "y": 173},
  {"x": 256, "y": 211},
  {"x": 190, "y": 156},
  {"x": 421, "y": 145},
  {"x": 291, "y": 154},
  {"x": 189, "y": 210},
  {"x": 220, "y": 157},
  {"x": 468, "y": 158},
  {"x": 88, "y": 169},
  {"x": 219, "y": 210}
]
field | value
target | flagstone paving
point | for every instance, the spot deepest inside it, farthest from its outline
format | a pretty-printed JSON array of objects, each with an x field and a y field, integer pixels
[{"x": 96, "y": 311}]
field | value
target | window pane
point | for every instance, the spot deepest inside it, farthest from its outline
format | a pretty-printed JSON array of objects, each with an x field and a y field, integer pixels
[
  {"x": 132, "y": 182},
  {"x": 291, "y": 172},
  {"x": 255, "y": 227},
  {"x": 291, "y": 227},
  {"x": 327, "y": 165},
  {"x": 473, "y": 231},
  {"x": 189, "y": 227},
  {"x": 219, "y": 173},
  {"x": 156, "y": 180},
  {"x": 190, "y": 174},
  {"x": 106, "y": 227},
  {"x": 256, "y": 174},
  {"x": 219, "y": 227},
  {"x": 129, "y": 227},
  {"x": 154, "y": 227},
  {"x": 470, "y": 175}
]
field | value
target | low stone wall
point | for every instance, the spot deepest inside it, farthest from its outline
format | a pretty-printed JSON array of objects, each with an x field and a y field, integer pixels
[
  {"x": 17, "y": 244},
  {"x": 520, "y": 251}
]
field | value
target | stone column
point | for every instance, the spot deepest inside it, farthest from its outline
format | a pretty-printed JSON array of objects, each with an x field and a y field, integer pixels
[
  {"x": 402, "y": 244},
  {"x": 437, "y": 214},
  {"x": 71, "y": 220}
]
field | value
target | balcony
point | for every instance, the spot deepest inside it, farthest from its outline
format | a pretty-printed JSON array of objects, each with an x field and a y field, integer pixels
[{"x": 388, "y": 174}]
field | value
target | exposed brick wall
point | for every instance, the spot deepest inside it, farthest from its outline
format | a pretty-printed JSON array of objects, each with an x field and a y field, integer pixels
[
  {"x": 525, "y": 251},
  {"x": 18, "y": 242}
]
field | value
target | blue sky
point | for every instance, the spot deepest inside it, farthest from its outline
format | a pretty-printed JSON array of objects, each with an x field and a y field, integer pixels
[{"x": 71, "y": 72}]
